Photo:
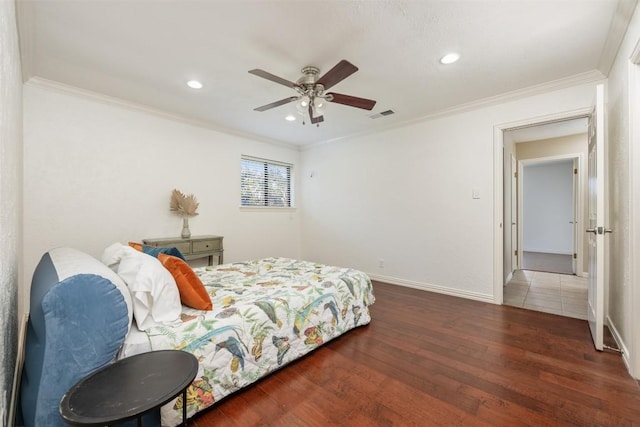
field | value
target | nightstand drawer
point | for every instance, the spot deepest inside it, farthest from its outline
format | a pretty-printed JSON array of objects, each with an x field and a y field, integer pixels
[
  {"x": 183, "y": 247},
  {"x": 207, "y": 245}
]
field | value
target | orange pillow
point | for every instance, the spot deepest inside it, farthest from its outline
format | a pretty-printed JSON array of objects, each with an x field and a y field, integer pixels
[{"x": 192, "y": 291}]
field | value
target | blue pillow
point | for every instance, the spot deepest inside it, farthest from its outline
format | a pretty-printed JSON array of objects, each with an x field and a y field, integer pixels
[{"x": 153, "y": 251}]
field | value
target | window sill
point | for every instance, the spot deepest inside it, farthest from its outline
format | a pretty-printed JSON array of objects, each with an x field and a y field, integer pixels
[{"x": 266, "y": 208}]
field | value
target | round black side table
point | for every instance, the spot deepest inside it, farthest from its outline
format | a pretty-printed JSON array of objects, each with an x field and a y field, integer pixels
[{"x": 130, "y": 387}]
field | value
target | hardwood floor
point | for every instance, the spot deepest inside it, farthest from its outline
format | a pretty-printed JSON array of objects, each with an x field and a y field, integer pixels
[{"x": 429, "y": 359}]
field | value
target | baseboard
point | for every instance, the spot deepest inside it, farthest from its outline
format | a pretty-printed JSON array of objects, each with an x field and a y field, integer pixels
[
  {"x": 17, "y": 374},
  {"x": 620, "y": 342},
  {"x": 433, "y": 288},
  {"x": 508, "y": 278}
]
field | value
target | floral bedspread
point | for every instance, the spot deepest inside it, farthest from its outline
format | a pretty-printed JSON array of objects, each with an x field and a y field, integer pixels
[{"x": 266, "y": 313}]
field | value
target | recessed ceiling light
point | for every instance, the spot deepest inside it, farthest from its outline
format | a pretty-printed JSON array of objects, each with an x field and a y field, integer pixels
[
  {"x": 290, "y": 118},
  {"x": 194, "y": 84},
  {"x": 449, "y": 58}
]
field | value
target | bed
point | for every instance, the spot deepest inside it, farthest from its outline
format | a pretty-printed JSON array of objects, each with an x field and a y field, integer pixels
[{"x": 265, "y": 314}]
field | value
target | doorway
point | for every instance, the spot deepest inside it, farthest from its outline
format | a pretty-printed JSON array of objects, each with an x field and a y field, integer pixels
[
  {"x": 542, "y": 250},
  {"x": 548, "y": 200}
]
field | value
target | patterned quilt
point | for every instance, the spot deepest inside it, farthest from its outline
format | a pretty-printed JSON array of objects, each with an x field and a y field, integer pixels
[{"x": 266, "y": 313}]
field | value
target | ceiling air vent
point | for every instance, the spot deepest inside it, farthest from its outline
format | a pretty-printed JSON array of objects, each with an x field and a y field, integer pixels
[{"x": 382, "y": 114}]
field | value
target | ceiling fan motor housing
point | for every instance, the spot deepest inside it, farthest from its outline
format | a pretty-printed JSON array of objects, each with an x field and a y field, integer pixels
[{"x": 309, "y": 75}]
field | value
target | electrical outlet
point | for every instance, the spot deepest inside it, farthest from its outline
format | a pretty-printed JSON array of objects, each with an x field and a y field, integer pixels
[{"x": 380, "y": 263}]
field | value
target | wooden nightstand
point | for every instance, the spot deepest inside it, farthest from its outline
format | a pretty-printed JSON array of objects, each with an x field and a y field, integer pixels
[{"x": 193, "y": 247}]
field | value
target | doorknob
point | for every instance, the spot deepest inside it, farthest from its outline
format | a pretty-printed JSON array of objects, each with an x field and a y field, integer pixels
[{"x": 599, "y": 230}]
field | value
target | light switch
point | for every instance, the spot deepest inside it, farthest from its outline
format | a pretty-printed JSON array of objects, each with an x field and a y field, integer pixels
[{"x": 475, "y": 193}]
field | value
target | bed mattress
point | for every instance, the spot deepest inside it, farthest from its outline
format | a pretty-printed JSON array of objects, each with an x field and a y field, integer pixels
[{"x": 266, "y": 313}]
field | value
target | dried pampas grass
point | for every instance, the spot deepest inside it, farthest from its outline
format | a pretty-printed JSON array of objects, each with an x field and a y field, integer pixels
[{"x": 185, "y": 205}]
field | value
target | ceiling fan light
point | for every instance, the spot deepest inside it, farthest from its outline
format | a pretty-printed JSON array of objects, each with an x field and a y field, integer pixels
[{"x": 318, "y": 107}]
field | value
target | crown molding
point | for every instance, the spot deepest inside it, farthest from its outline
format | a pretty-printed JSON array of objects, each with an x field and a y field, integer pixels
[
  {"x": 592, "y": 76},
  {"x": 55, "y": 86},
  {"x": 575, "y": 80},
  {"x": 618, "y": 29},
  {"x": 24, "y": 22}
]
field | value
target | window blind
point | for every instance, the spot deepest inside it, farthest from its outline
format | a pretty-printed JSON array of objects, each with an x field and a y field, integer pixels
[{"x": 264, "y": 183}]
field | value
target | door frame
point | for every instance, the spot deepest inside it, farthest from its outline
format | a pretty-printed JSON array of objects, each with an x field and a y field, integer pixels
[
  {"x": 577, "y": 202},
  {"x": 576, "y": 262},
  {"x": 498, "y": 187},
  {"x": 515, "y": 236}
]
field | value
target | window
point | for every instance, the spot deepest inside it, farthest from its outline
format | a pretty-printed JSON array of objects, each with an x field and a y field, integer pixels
[{"x": 265, "y": 183}]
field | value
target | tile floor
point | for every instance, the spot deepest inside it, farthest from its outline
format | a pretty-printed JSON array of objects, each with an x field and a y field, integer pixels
[{"x": 561, "y": 294}]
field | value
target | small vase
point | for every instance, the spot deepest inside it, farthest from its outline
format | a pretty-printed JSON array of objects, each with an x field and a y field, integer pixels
[{"x": 186, "y": 233}]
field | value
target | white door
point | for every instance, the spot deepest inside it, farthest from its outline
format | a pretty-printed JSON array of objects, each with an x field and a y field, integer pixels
[
  {"x": 595, "y": 230},
  {"x": 514, "y": 214}
]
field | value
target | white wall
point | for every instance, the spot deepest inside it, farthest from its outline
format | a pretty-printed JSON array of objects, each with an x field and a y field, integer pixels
[
  {"x": 10, "y": 196},
  {"x": 548, "y": 208},
  {"x": 619, "y": 150},
  {"x": 404, "y": 195},
  {"x": 96, "y": 173}
]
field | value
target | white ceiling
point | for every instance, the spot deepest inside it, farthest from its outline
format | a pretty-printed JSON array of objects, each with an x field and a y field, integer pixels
[{"x": 144, "y": 51}]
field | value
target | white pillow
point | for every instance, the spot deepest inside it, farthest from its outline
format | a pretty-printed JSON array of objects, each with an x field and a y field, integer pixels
[
  {"x": 156, "y": 299},
  {"x": 112, "y": 255}
]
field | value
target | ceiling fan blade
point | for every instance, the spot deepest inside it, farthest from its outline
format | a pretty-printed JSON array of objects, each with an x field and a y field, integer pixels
[
  {"x": 276, "y": 104},
  {"x": 341, "y": 71},
  {"x": 352, "y": 101},
  {"x": 273, "y": 78}
]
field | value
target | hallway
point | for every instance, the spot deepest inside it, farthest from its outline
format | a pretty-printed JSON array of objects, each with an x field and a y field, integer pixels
[
  {"x": 552, "y": 263},
  {"x": 561, "y": 294}
]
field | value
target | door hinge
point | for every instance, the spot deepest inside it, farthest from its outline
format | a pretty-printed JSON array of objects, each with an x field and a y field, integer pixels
[
  {"x": 515, "y": 174},
  {"x": 515, "y": 252},
  {"x": 575, "y": 255},
  {"x": 575, "y": 171}
]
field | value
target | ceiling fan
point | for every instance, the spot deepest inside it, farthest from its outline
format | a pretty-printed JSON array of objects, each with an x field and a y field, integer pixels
[{"x": 311, "y": 90}]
